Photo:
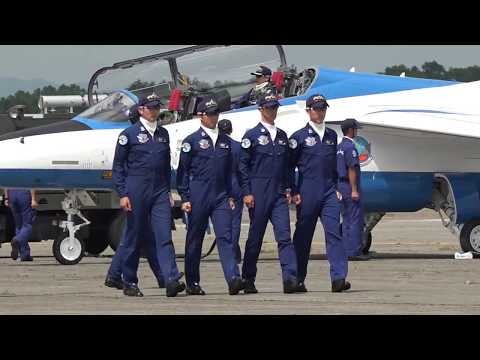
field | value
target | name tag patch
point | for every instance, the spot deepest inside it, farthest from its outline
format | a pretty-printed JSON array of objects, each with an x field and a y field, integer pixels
[
  {"x": 142, "y": 138},
  {"x": 204, "y": 144},
  {"x": 310, "y": 141},
  {"x": 263, "y": 140}
]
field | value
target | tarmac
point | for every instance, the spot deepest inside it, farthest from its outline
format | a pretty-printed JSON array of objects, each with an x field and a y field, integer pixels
[{"x": 413, "y": 271}]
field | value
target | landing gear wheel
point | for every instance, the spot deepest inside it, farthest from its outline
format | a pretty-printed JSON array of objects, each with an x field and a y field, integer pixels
[
  {"x": 68, "y": 253},
  {"x": 470, "y": 236},
  {"x": 366, "y": 242}
]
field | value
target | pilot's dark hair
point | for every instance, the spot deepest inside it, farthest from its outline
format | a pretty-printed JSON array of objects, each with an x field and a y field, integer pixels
[
  {"x": 134, "y": 116},
  {"x": 225, "y": 126}
]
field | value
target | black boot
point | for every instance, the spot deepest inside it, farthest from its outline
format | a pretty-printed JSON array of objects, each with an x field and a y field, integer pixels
[
  {"x": 114, "y": 283},
  {"x": 290, "y": 286},
  {"x": 132, "y": 291},
  {"x": 249, "y": 287},
  {"x": 301, "y": 287},
  {"x": 175, "y": 287},
  {"x": 195, "y": 290},
  {"x": 235, "y": 286},
  {"x": 340, "y": 285}
]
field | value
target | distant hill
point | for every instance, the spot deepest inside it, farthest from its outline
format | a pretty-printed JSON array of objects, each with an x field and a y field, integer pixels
[{"x": 10, "y": 85}]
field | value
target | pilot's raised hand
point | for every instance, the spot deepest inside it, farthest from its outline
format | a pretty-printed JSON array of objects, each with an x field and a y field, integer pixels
[
  {"x": 125, "y": 204},
  {"x": 187, "y": 207}
]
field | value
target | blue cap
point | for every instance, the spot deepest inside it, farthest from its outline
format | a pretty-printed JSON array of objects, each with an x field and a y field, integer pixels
[
  {"x": 268, "y": 100},
  {"x": 208, "y": 106},
  {"x": 350, "y": 124},
  {"x": 152, "y": 100},
  {"x": 317, "y": 101},
  {"x": 262, "y": 71}
]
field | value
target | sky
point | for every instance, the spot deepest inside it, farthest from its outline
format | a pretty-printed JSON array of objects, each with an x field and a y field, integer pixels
[{"x": 76, "y": 63}]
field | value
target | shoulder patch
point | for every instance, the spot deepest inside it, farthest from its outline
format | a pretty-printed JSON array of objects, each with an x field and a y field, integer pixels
[
  {"x": 246, "y": 143},
  {"x": 292, "y": 143},
  {"x": 122, "y": 140},
  {"x": 186, "y": 147}
]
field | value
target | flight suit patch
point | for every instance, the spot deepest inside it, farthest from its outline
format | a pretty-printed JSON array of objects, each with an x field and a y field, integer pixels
[
  {"x": 246, "y": 143},
  {"x": 310, "y": 141},
  {"x": 204, "y": 144},
  {"x": 122, "y": 140},
  {"x": 223, "y": 146},
  {"x": 263, "y": 140},
  {"x": 186, "y": 147},
  {"x": 142, "y": 138},
  {"x": 292, "y": 143}
]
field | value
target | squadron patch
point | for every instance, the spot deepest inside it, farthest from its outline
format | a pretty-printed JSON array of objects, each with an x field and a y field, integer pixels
[
  {"x": 122, "y": 140},
  {"x": 310, "y": 141},
  {"x": 354, "y": 153},
  {"x": 263, "y": 140},
  {"x": 142, "y": 138},
  {"x": 204, "y": 144},
  {"x": 292, "y": 143},
  {"x": 246, "y": 143},
  {"x": 186, "y": 147}
]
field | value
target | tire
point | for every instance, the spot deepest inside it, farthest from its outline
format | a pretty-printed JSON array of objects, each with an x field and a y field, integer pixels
[
  {"x": 66, "y": 255},
  {"x": 115, "y": 230},
  {"x": 470, "y": 236},
  {"x": 98, "y": 242},
  {"x": 366, "y": 242}
]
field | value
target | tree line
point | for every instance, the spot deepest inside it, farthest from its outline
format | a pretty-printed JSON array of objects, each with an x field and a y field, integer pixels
[{"x": 429, "y": 70}]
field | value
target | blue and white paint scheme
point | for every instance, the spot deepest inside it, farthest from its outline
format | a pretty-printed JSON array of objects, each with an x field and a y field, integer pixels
[{"x": 419, "y": 144}]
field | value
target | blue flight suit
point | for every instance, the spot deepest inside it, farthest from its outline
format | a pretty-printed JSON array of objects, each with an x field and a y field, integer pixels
[
  {"x": 20, "y": 202},
  {"x": 204, "y": 179},
  {"x": 352, "y": 213},
  {"x": 115, "y": 269},
  {"x": 141, "y": 171},
  {"x": 237, "y": 196},
  {"x": 263, "y": 173},
  {"x": 316, "y": 161}
]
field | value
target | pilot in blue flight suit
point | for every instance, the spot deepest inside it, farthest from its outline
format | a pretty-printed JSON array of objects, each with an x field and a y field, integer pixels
[
  {"x": 204, "y": 184},
  {"x": 263, "y": 86},
  {"x": 263, "y": 176},
  {"x": 114, "y": 274},
  {"x": 225, "y": 127},
  {"x": 141, "y": 174},
  {"x": 348, "y": 167},
  {"x": 313, "y": 150},
  {"x": 23, "y": 205}
]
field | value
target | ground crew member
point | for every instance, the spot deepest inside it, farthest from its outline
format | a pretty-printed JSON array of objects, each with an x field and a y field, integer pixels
[
  {"x": 225, "y": 127},
  {"x": 263, "y": 175},
  {"x": 23, "y": 205},
  {"x": 348, "y": 168},
  {"x": 204, "y": 184},
  {"x": 263, "y": 86},
  {"x": 313, "y": 151},
  {"x": 141, "y": 174}
]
